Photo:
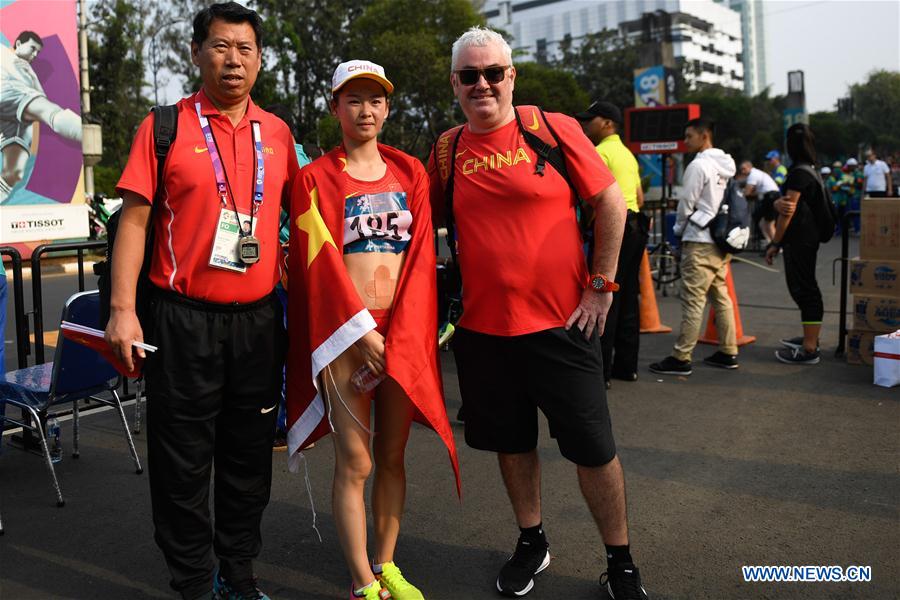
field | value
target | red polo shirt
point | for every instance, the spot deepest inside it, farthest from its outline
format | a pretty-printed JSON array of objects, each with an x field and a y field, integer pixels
[{"x": 185, "y": 223}]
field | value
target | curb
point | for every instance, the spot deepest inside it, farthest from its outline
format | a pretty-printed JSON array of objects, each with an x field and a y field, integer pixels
[{"x": 67, "y": 268}]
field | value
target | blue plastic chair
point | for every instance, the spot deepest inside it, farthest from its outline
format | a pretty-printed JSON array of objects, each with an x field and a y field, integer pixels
[{"x": 77, "y": 372}]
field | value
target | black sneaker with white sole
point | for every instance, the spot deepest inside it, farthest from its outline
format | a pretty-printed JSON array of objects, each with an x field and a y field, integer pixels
[
  {"x": 797, "y": 356},
  {"x": 722, "y": 360},
  {"x": 793, "y": 343},
  {"x": 623, "y": 582},
  {"x": 672, "y": 366},
  {"x": 517, "y": 575}
]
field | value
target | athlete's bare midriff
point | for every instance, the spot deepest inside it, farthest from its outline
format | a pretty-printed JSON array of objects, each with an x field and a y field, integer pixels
[{"x": 375, "y": 276}]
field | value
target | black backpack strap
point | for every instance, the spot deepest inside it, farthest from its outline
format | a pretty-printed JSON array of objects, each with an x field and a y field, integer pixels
[
  {"x": 448, "y": 195},
  {"x": 545, "y": 152},
  {"x": 165, "y": 127}
]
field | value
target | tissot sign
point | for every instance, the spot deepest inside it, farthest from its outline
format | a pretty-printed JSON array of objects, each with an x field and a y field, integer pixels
[
  {"x": 43, "y": 222},
  {"x": 40, "y": 124}
]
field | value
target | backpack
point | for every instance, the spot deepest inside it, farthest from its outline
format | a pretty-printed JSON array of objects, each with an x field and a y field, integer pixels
[
  {"x": 165, "y": 126},
  {"x": 730, "y": 228},
  {"x": 547, "y": 146},
  {"x": 823, "y": 210}
]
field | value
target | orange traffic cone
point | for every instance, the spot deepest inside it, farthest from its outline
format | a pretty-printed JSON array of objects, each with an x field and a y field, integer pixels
[
  {"x": 649, "y": 311},
  {"x": 712, "y": 336}
]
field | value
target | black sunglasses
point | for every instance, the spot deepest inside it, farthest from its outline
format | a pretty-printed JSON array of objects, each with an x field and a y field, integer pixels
[{"x": 491, "y": 75}]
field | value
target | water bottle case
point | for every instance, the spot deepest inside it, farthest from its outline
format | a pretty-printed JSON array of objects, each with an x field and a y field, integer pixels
[
  {"x": 54, "y": 443},
  {"x": 363, "y": 380}
]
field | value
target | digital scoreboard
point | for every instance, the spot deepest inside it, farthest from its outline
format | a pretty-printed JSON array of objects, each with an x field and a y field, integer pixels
[{"x": 658, "y": 129}]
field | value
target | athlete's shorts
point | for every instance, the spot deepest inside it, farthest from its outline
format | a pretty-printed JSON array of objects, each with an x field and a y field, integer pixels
[
  {"x": 382, "y": 320},
  {"x": 504, "y": 380}
]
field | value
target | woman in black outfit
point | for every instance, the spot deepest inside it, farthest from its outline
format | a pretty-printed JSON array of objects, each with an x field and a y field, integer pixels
[{"x": 797, "y": 234}]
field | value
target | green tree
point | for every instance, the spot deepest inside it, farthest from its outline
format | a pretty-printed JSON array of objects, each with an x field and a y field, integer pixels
[
  {"x": 304, "y": 40},
  {"x": 116, "y": 75},
  {"x": 746, "y": 127},
  {"x": 877, "y": 107},
  {"x": 168, "y": 32},
  {"x": 411, "y": 39},
  {"x": 552, "y": 89},
  {"x": 603, "y": 64},
  {"x": 837, "y": 138}
]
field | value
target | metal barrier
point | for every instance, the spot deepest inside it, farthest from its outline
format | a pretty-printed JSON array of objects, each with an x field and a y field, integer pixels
[
  {"x": 845, "y": 268},
  {"x": 37, "y": 293},
  {"x": 23, "y": 346}
]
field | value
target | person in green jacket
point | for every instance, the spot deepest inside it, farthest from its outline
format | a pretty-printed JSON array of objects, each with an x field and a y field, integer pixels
[{"x": 836, "y": 184}]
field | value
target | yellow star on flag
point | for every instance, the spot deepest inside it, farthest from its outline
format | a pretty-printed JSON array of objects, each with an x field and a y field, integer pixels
[{"x": 311, "y": 222}]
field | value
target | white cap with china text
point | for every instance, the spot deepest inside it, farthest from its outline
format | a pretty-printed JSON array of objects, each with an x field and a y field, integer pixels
[{"x": 354, "y": 69}]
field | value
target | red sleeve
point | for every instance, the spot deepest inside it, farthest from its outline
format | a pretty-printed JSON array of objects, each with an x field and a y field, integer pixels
[
  {"x": 293, "y": 169},
  {"x": 435, "y": 192},
  {"x": 588, "y": 172},
  {"x": 139, "y": 175}
]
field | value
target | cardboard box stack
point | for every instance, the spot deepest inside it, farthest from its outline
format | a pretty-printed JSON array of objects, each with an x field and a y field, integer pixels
[{"x": 875, "y": 278}]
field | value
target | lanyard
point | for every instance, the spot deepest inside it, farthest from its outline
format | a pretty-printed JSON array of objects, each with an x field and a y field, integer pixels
[{"x": 223, "y": 185}]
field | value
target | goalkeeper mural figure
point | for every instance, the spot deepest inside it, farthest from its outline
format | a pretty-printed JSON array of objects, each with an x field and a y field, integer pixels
[{"x": 22, "y": 103}]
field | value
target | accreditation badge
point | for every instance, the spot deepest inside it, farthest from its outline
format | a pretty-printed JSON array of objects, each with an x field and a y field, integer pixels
[{"x": 228, "y": 251}]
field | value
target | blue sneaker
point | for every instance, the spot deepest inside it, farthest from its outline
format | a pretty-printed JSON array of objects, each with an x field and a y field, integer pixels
[{"x": 241, "y": 590}]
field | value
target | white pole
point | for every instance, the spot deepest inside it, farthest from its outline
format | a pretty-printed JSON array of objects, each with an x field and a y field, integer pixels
[{"x": 85, "y": 88}]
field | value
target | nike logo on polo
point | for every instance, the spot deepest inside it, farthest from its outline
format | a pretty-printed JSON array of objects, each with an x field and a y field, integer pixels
[
  {"x": 199, "y": 150},
  {"x": 267, "y": 410},
  {"x": 534, "y": 122},
  {"x": 458, "y": 154}
]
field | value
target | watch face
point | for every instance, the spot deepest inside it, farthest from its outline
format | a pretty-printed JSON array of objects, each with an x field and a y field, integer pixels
[{"x": 597, "y": 283}]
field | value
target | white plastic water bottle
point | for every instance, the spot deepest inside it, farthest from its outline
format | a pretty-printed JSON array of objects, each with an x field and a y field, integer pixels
[
  {"x": 54, "y": 443},
  {"x": 364, "y": 380}
]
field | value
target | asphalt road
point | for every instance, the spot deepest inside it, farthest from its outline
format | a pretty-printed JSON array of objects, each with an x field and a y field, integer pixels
[{"x": 769, "y": 465}]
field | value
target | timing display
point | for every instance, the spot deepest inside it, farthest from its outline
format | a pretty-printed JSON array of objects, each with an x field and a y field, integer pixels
[{"x": 658, "y": 129}]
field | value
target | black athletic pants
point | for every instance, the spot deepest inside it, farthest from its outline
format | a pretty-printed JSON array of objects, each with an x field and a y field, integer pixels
[
  {"x": 213, "y": 392},
  {"x": 800, "y": 274},
  {"x": 622, "y": 333}
]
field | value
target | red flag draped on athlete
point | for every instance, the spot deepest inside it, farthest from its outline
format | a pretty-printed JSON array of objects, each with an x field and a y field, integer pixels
[{"x": 326, "y": 315}]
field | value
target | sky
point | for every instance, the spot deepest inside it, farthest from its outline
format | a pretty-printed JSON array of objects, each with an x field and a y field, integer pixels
[{"x": 834, "y": 42}]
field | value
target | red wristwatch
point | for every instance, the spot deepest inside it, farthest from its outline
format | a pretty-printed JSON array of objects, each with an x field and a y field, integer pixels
[{"x": 600, "y": 283}]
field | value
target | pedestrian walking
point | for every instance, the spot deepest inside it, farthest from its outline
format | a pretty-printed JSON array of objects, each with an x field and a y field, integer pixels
[{"x": 704, "y": 266}]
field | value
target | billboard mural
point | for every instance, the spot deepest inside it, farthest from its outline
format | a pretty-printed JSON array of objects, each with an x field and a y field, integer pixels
[
  {"x": 41, "y": 175},
  {"x": 653, "y": 86}
]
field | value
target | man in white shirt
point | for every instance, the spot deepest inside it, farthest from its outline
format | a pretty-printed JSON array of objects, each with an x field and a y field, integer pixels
[
  {"x": 760, "y": 186},
  {"x": 877, "y": 177},
  {"x": 703, "y": 266}
]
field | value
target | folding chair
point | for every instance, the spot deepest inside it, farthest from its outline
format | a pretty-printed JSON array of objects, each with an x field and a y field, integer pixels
[{"x": 77, "y": 372}]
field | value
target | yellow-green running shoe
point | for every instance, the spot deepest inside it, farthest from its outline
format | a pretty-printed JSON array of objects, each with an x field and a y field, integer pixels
[
  {"x": 373, "y": 591},
  {"x": 393, "y": 580}
]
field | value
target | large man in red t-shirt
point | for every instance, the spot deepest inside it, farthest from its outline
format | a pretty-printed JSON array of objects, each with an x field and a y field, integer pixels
[
  {"x": 214, "y": 384},
  {"x": 529, "y": 336}
]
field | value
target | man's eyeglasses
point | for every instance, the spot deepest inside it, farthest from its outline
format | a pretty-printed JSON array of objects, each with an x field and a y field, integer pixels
[{"x": 491, "y": 74}]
